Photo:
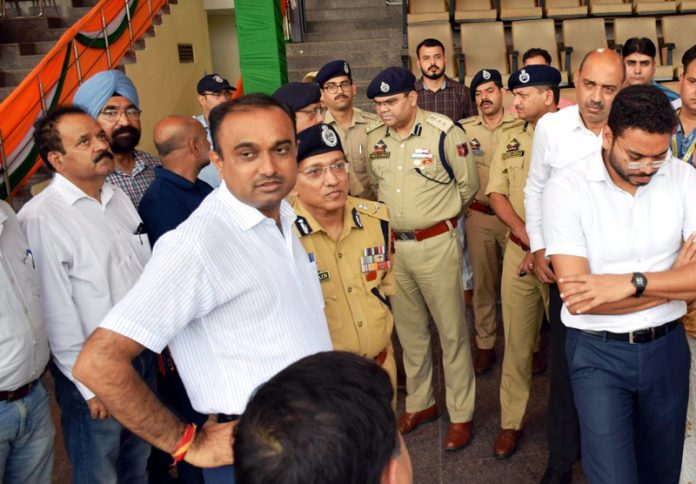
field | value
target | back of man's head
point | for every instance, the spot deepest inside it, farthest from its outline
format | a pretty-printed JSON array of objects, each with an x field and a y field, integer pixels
[
  {"x": 180, "y": 140},
  {"x": 325, "y": 419},
  {"x": 644, "y": 108},
  {"x": 536, "y": 54}
]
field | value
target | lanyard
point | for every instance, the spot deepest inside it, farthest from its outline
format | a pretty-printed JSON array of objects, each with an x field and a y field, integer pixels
[{"x": 689, "y": 151}]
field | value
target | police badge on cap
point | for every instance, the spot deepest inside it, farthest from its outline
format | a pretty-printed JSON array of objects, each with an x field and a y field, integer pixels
[
  {"x": 317, "y": 139},
  {"x": 392, "y": 80},
  {"x": 328, "y": 135}
]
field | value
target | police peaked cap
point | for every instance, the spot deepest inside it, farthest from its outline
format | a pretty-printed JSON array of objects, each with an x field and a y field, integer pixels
[
  {"x": 391, "y": 80},
  {"x": 535, "y": 75},
  {"x": 333, "y": 69},
  {"x": 213, "y": 83},
  {"x": 317, "y": 139},
  {"x": 298, "y": 94},
  {"x": 483, "y": 76}
]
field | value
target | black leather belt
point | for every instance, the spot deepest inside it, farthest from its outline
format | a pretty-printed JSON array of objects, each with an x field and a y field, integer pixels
[
  {"x": 222, "y": 418},
  {"x": 635, "y": 337},
  {"x": 19, "y": 393}
]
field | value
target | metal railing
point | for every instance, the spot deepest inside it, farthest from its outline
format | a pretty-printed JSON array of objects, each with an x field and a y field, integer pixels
[{"x": 95, "y": 43}]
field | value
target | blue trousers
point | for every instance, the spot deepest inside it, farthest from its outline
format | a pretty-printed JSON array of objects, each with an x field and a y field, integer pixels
[
  {"x": 631, "y": 402},
  {"x": 26, "y": 439},
  {"x": 102, "y": 451}
]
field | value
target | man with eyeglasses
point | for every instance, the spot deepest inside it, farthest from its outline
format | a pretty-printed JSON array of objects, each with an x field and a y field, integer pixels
[
  {"x": 304, "y": 98},
  {"x": 349, "y": 239},
  {"x": 337, "y": 92},
  {"x": 213, "y": 90},
  {"x": 421, "y": 168},
  {"x": 620, "y": 229},
  {"x": 111, "y": 98}
]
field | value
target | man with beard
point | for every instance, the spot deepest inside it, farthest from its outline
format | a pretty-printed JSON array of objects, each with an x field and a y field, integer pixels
[
  {"x": 620, "y": 227},
  {"x": 437, "y": 92},
  {"x": 559, "y": 139},
  {"x": 524, "y": 298},
  {"x": 231, "y": 291},
  {"x": 89, "y": 249},
  {"x": 485, "y": 233},
  {"x": 420, "y": 167},
  {"x": 337, "y": 93},
  {"x": 111, "y": 98},
  {"x": 213, "y": 90}
]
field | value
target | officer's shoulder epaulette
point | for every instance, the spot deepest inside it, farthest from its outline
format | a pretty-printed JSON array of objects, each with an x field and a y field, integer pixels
[
  {"x": 468, "y": 120},
  {"x": 517, "y": 125},
  {"x": 373, "y": 126},
  {"x": 373, "y": 209},
  {"x": 443, "y": 123},
  {"x": 368, "y": 115}
]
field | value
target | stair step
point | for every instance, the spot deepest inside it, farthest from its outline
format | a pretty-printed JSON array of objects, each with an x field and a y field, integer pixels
[
  {"x": 339, "y": 28},
  {"x": 19, "y": 61},
  {"x": 346, "y": 35},
  {"x": 360, "y": 13},
  {"x": 4, "y": 92},
  {"x": 332, "y": 4},
  {"x": 360, "y": 74},
  {"x": 315, "y": 61},
  {"x": 334, "y": 48},
  {"x": 12, "y": 77}
]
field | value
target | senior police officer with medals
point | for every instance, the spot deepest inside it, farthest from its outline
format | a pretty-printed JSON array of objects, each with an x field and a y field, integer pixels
[
  {"x": 337, "y": 92},
  {"x": 349, "y": 240},
  {"x": 524, "y": 297},
  {"x": 419, "y": 166},
  {"x": 485, "y": 233}
]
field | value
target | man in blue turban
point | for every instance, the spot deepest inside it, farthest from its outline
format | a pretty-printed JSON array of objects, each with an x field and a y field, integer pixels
[{"x": 111, "y": 98}]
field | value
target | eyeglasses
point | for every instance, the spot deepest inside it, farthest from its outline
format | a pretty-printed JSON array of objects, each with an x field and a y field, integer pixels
[
  {"x": 225, "y": 93},
  {"x": 390, "y": 103},
  {"x": 332, "y": 87},
  {"x": 313, "y": 112},
  {"x": 316, "y": 172},
  {"x": 639, "y": 165},
  {"x": 112, "y": 114}
]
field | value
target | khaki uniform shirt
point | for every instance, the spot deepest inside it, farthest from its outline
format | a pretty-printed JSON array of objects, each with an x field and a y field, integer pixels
[
  {"x": 354, "y": 141},
  {"x": 511, "y": 161},
  {"x": 409, "y": 176},
  {"x": 354, "y": 282},
  {"x": 482, "y": 141}
]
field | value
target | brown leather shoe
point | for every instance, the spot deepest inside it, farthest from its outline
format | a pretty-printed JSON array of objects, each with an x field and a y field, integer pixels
[
  {"x": 410, "y": 421},
  {"x": 506, "y": 443},
  {"x": 484, "y": 361},
  {"x": 538, "y": 362},
  {"x": 458, "y": 436}
]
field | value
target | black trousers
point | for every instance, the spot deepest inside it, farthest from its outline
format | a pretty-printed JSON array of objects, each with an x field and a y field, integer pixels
[{"x": 563, "y": 428}]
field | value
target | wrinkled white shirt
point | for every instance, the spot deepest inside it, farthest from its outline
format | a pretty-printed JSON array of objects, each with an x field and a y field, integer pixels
[{"x": 88, "y": 256}]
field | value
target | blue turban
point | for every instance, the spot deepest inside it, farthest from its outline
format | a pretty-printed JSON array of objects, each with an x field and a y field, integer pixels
[{"x": 93, "y": 94}]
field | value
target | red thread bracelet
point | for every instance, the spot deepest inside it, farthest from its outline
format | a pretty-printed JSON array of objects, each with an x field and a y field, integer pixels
[{"x": 184, "y": 444}]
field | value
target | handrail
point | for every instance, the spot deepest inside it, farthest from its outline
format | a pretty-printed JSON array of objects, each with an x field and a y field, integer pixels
[{"x": 96, "y": 42}]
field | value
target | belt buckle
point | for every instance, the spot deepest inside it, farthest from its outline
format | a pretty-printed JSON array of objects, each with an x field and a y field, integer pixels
[
  {"x": 406, "y": 235},
  {"x": 641, "y": 336}
]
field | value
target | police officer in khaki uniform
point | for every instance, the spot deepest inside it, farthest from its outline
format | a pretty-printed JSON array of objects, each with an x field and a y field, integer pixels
[
  {"x": 420, "y": 167},
  {"x": 524, "y": 297},
  {"x": 349, "y": 240},
  {"x": 337, "y": 92},
  {"x": 485, "y": 233}
]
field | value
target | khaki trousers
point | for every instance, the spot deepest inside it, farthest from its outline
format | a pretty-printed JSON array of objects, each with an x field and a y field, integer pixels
[
  {"x": 524, "y": 301},
  {"x": 486, "y": 236},
  {"x": 428, "y": 277}
]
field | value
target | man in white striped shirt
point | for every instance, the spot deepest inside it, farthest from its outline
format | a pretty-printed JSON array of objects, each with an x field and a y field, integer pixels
[{"x": 231, "y": 291}]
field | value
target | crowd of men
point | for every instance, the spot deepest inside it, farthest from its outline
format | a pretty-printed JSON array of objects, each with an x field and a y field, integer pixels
[{"x": 228, "y": 305}]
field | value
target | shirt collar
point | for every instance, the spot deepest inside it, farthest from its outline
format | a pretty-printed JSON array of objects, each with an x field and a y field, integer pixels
[
  {"x": 309, "y": 224},
  {"x": 508, "y": 117},
  {"x": 71, "y": 193},
  {"x": 247, "y": 216},
  {"x": 579, "y": 124},
  {"x": 417, "y": 129},
  {"x": 420, "y": 85},
  {"x": 173, "y": 178}
]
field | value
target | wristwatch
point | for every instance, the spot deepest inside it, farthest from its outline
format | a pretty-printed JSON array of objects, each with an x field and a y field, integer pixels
[{"x": 639, "y": 281}]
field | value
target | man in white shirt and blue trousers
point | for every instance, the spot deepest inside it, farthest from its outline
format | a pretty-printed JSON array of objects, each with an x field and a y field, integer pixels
[
  {"x": 89, "y": 249},
  {"x": 619, "y": 229},
  {"x": 26, "y": 425}
]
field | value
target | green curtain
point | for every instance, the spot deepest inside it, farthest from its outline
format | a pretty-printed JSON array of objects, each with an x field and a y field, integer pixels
[{"x": 261, "y": 45}]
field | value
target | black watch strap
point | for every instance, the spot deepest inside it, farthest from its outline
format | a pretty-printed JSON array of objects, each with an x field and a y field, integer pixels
[{"x": 639, "y": 281}]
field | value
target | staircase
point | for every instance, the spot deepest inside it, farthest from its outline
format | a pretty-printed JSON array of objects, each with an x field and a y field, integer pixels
[{"x": 366, "y": 33}]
